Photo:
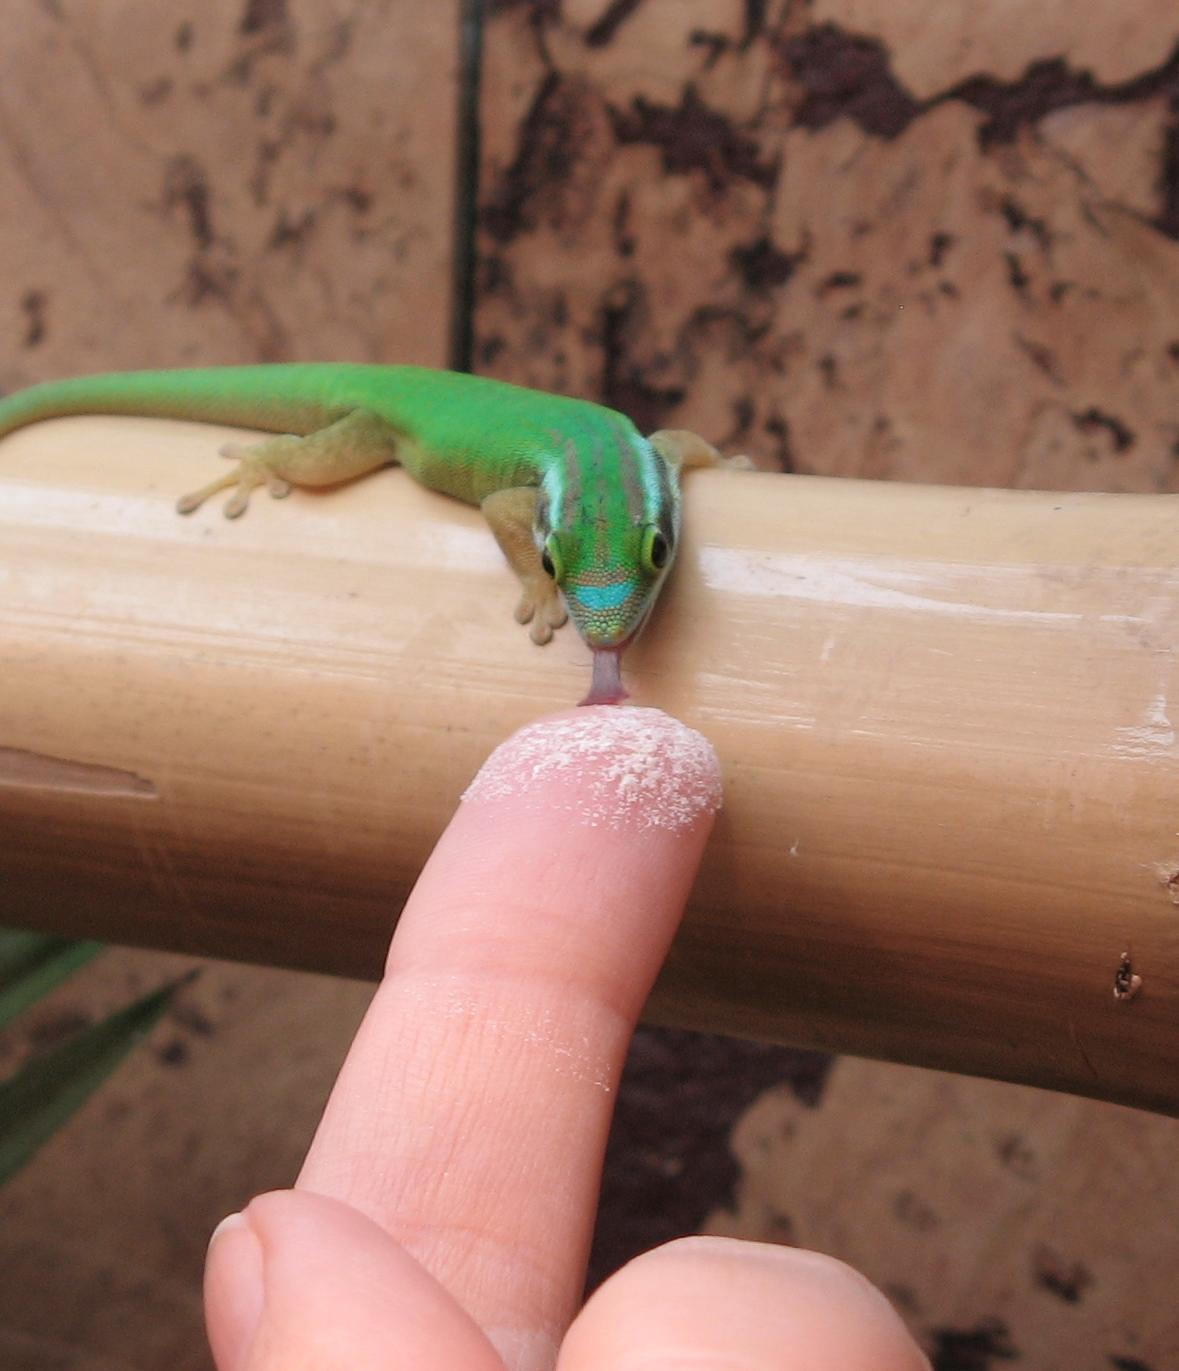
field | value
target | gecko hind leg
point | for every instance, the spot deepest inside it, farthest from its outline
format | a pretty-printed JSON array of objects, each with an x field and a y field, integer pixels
[
  {"x": 358, "y": 443},
  {"x": 251, "y": 472}
]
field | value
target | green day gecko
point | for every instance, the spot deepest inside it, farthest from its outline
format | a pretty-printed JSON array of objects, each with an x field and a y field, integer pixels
[{"x": 586, "y": 510}]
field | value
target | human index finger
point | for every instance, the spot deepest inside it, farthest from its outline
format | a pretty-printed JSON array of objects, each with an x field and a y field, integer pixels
[{"x": 471, "y": 1115}]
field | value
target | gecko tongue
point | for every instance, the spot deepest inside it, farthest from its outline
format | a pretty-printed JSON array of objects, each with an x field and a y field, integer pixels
[{"x": 606, "y": 687}]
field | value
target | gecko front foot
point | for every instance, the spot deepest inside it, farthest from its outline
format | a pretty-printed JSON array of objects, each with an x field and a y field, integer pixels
[
  {"x": 511, "y": 515},
  {"x": 541, "y": 606},
  {"x": 685, "y": 450}
]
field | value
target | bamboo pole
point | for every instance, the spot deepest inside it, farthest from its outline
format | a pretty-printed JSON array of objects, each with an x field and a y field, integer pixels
[{"x": 946, "y": 717}]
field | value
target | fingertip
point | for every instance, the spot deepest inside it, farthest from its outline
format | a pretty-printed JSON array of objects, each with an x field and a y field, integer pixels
[
  {"x": 574, "y": 851},
  {"x": 723, "y": 1303},
  {"x": 606, "y": 766},
  {"x": 303, "y": 1280}
]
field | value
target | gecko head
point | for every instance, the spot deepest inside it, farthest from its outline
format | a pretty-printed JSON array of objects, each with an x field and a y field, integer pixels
[
  {"x": 607, "y": 527},
  {"x": 609, "y": 582}
]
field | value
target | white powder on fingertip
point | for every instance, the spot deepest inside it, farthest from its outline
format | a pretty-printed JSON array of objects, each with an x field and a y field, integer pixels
[{"x": 612, "y": 767}]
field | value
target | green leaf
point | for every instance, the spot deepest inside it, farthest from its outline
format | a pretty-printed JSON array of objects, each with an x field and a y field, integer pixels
[
  {"x": 50, "y": 1087},
  {"x": 31, "y": 964}
]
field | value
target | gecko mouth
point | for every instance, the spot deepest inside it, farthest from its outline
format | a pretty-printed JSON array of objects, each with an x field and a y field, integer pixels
[{"x": 606, "y": 686}]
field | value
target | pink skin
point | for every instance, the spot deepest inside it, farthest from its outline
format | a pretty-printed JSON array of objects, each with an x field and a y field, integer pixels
[{"x": 442, "y": 1217}]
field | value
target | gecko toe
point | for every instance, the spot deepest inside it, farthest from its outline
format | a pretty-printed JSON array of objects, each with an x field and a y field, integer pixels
[
  {"x": 544, "y": 610},
  {"x": 238, "y": 503},
  {"x": 525, "y": 609}
]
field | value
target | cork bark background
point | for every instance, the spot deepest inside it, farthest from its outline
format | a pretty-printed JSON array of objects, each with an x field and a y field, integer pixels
[
  {"x": 857, "y": 239},
  {"x": 852, "y": 237},
  {"x": 237, "y": 181}
]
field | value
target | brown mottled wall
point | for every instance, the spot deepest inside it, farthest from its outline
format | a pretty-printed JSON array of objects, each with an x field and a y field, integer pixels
[
  {"x": 917, "y": 241},
  {"x": 230, "y": 181}
]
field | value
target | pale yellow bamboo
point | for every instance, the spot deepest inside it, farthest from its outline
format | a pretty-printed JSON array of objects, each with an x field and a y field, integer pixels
[{"x": 946, "y": 718}]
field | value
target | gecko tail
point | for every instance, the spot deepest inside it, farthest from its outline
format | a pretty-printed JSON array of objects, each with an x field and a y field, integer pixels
[{"x": 282, "y": 398}]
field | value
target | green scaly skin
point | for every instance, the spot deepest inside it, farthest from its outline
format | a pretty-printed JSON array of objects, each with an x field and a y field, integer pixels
[{"x": 578, "y": 499}]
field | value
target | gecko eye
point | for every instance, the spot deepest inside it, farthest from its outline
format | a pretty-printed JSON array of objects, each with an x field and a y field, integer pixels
[
  {"x": 550, "y": 559},
  {"x": 656, "y": 550}
]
